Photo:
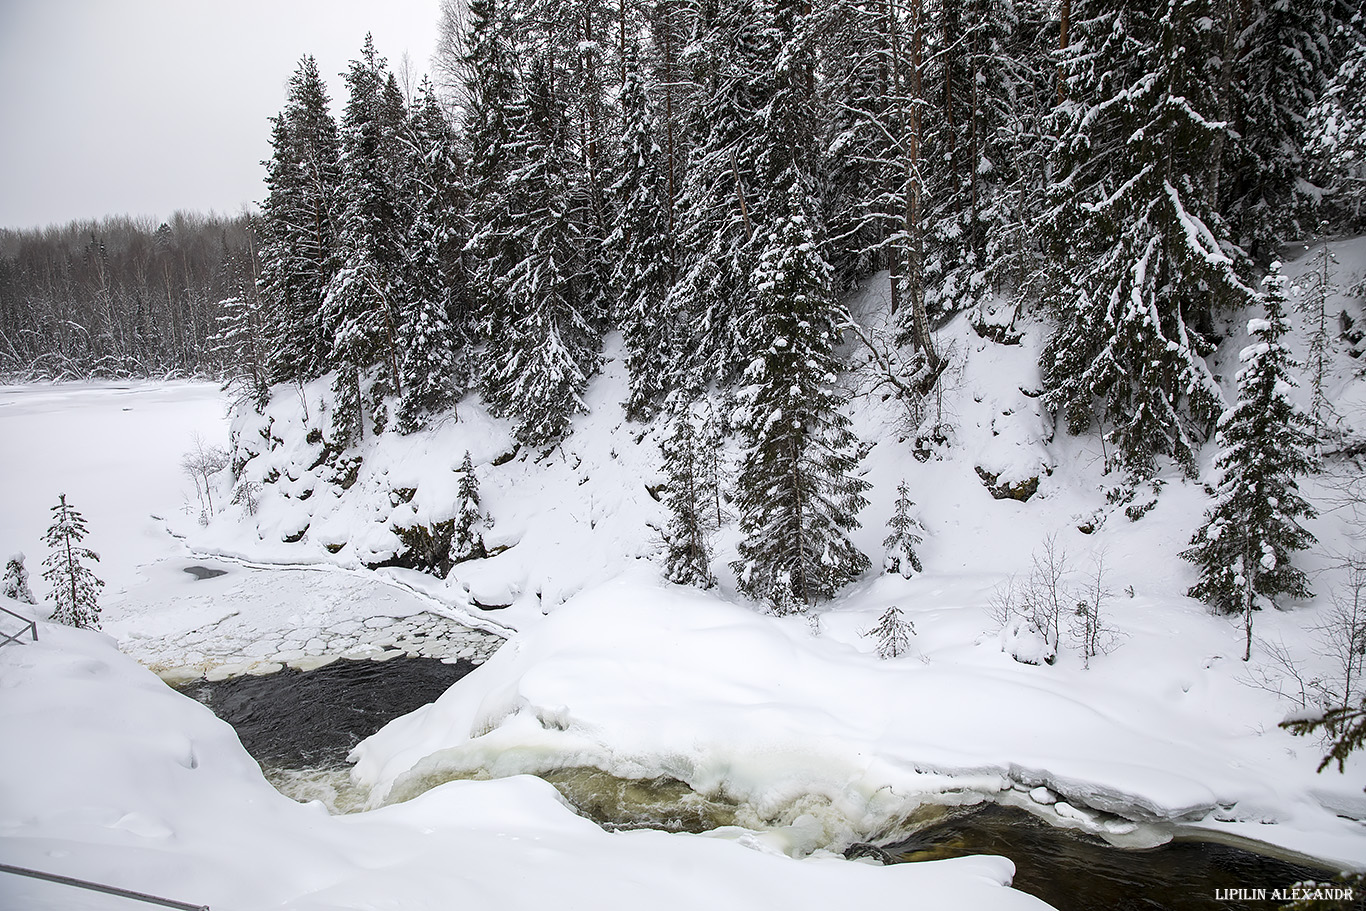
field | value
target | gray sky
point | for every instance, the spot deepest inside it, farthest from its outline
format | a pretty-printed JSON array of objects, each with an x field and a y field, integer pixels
[{"x": 142, "y": 107}]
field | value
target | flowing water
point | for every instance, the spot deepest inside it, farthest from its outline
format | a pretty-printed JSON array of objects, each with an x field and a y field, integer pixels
[
  {"x": 1074, "y": 872},
  {"x": 301, "y": 725}
]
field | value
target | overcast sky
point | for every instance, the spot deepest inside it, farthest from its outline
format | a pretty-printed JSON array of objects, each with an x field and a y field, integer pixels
[{"x": 142, "y": 107}]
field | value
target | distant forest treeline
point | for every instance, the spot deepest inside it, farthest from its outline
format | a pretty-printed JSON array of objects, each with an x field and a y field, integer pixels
[{"x": 121, "y": 297}]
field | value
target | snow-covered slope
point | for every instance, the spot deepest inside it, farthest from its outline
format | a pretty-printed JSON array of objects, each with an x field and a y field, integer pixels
[{"x": 1169, "y": 725}]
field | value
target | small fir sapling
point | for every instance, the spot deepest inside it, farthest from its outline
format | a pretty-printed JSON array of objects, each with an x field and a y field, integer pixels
[
  {"x": 783, "y": 601},
  {"x": 893, "y": 633},
  {"x": 15, "y": 583},
  {"x": 75, "y": 589},
  {"x": 902, "y": 537},
  {"x": 467, "y": 538}
]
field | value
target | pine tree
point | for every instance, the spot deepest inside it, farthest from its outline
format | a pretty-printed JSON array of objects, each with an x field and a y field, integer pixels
[
  {"x": 893, "y": 633},
  {"x": 797, "y": 493},
  {"x": 1244, "y": 549},
  {"x": 75, "y": 589},
  {"x": 1144, "y": 255},
  {"x": 15, "y": 583},
  {"x": 299, "y": 228},
  {"x": 642, "y": 249},
  {"x": 688, "y": 496},
  {"x": 467, "y": 538},
  {"x": 902, "y": 538}
]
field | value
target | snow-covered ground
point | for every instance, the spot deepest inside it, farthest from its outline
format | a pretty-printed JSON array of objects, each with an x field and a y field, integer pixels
[
  {"x": 819, "y": 740},
  {"x": 110, "y": 776},
  {"x": 115, "y": 450}
]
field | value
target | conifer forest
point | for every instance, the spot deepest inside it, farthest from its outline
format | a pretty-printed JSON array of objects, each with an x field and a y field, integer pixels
[{"x": 712, "y": 178}]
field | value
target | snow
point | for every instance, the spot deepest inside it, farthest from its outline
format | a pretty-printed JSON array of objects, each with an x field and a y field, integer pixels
[
  {"x": 74, "y": 438},
  {"x": 110, "y": 776},
  {"x": 107, "y": 774}
]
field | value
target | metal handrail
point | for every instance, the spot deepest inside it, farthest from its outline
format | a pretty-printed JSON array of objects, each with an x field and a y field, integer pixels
[
  {"x": 29, "y": 625},
  {"x": 100, "y": 887}
]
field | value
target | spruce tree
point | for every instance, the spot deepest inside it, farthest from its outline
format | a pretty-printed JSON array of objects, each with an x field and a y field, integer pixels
[
  {"x": 1244, "y": 549},
  {"x": 688, "y": 496},
  {"x": 15, "y": 583},
  {"x": 902, "y": 537},
  {"x": 299, "y": 228},
  {"x": 467, "y": 538},
  {"x": 797, "y": 493},
  {"x": 543, "y": 340},
  {"x": 1317, "y": 285},
  {"x": 433, "y": 335},
  {"x": 240, "y": 339},
  {"x": 1144, "y": 255},
  {"x": 1279, "y": 57},
  {"x": 75, "y": 589},
  {"x": 489, "y": 87},
  {"x": 642, "y": 249},
  {"x": 1337, "y": 136},
  {"x": 363, "y": 302},
  {"x": 721, "y": 207}
]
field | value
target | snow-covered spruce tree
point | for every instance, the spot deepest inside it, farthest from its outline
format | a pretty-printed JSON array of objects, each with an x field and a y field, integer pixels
[
  {"x": 489, "y": 84},
  {"x": 1145, "y": 257},
  {"x": 1337, "y": 136},
  {"x": 1276, "y": 58},
  {"x": 75, "y": 589},
  {"x": 15, "y": 583},
  {"x": 721, "y": 207},
  {"x": 903, "y": 537},
  {"x": 240, "y": 342},
  {"x": 982, "y": 127},
  {"x": 861, "y": 148},
  {"x": 688, "y": 495},
  {"x": 433, "y": 332},
  {"x": 299, "y": 228},
  {"x": 467, "y": 537},
  {"x": 1244, "y": 549},
  {"x": 364, "y": 298},
  {"x": 893, "y": 633},
  {"x": 641, "y": 247},
  {"x": 543, "y": 342},
  {"x": 797, "y": 493}
]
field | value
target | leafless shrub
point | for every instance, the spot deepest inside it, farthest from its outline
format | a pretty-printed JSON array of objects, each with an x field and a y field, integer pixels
[{"x": 201, "y": 463}]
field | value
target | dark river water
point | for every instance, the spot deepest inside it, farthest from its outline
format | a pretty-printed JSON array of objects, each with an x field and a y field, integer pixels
[
  {"x": 304, "y": 723},
  {"x": 311, "y": 719}
]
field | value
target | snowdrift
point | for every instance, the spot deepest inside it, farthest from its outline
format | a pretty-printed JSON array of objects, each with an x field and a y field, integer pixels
[{"x": 108, "y": 775}]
